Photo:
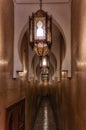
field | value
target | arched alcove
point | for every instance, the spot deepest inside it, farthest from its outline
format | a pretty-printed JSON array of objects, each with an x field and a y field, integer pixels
[
  {"x": 30, "y": 63},
  {"x": 26, "y": 30},
  {"x": 63, "y": 24}
]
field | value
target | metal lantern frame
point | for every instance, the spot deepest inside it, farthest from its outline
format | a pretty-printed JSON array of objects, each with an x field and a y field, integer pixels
[{"x": 40, "y": 45}]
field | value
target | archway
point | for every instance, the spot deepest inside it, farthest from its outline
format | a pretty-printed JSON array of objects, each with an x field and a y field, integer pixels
[{"x": 57, "y": 53}]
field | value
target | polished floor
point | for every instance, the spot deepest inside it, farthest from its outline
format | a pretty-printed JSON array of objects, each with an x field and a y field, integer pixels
[
  {"x": 45, "y": 117},
  {"x": 67, "y": 101}
]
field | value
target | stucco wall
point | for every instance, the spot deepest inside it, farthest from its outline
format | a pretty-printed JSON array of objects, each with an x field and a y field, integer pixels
[
  {"x": 6, "y": 35},
  {"x": 79, "y": 34},
  {"x": 61, "y": 16},
  {"x": 73, "y": 92},
  {"x": 9, "y": 89}
]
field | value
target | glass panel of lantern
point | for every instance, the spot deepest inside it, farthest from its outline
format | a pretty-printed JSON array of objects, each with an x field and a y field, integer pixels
[{"x": 40, "y": 30}]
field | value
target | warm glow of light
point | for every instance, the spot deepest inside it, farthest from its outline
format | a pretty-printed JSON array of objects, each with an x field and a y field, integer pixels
[
  {"x": 81, "y": 63},
  {"x": 40, "y": 29},
  {"x": 44, "y": 62},
  {"x": 64, "y": 74},
  {"x": 40, "y": 45},
  {"x": 45, "y": 119},
  {"x": 40, "y": 32},
  {"x": 3, "y": 62},
  {"x": 25, "y": 71},
  {"x": 22, "y": 74}
]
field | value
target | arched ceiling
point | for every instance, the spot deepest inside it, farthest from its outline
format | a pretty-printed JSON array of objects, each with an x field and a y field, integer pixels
[{"x": 44, "y": 1}]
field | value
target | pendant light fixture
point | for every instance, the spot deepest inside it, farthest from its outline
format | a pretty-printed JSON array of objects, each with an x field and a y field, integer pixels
[{"x": 40, "y": 32}]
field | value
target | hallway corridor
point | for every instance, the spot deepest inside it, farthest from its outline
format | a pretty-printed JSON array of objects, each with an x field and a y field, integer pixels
[
  {"x": 45, "y": 119},
  {"x": 65, "y": 106}
]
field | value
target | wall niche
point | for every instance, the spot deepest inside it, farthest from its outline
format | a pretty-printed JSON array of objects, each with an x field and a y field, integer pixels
[{"x": 61, "y": 18}]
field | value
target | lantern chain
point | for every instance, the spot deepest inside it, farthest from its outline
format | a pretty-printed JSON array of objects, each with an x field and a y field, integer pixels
[{"x": 40, "y": 4}]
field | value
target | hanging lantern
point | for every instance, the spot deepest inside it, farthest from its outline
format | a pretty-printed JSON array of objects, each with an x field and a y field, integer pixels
[
  {"x": 44, "y": 62},
  {"x": 44, "y": 66},
  {"x": 40, "y": 36}
]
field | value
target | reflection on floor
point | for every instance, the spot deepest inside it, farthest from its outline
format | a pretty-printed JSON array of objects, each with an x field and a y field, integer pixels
[
  {"x": 45, "y": 118},
  {"x": 42, "y": 107},
  {"x": 68, "y": 99}
]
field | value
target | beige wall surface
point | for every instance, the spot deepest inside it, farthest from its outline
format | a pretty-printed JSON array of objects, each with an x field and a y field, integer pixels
[
  {"x": 79, "y": 34},
  {"x": 6, "y": 35},
  {"x": 9, "y": 89}
]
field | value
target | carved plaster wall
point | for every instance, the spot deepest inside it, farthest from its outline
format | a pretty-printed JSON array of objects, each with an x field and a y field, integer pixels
[{"x": 61, "y": 15}]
